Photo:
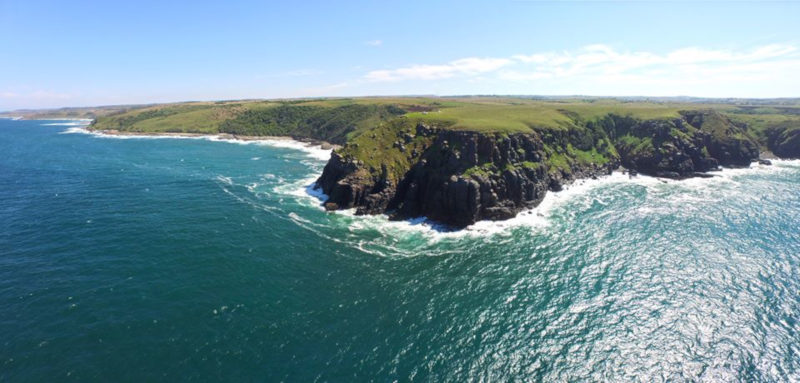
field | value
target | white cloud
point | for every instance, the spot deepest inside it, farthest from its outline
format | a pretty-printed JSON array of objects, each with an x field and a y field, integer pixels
[
  {"x": 762, "y": 71},
  {"x": 600, "y": 60},
  {"x": 467, "y": 66},
  {"x": 374, "y": 43}
]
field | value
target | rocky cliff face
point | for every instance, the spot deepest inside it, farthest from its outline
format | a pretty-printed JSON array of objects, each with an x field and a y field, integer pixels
[
  {"x": 698, "y": 142},
  {"x": 468, "y": 177},
  {"x": 460, "y": 177},
  {"x": 784, "y": 140}
]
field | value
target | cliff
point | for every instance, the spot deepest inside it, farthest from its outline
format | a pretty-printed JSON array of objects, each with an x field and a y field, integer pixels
[
  {"x": 460, "y": 177},
  {"x": 458, "y": 160}
]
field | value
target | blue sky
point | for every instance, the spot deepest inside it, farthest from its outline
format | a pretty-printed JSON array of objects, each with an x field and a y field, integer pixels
[{"x": 76, "y": 53}]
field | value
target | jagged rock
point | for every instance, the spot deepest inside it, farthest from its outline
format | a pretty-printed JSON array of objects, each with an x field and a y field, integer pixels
[
  {"x": 424, "y": 130},
  {"x": 460, "y": 177},
  {"x": 329, "y": 206},
  {"x": 784, "y": 141}
]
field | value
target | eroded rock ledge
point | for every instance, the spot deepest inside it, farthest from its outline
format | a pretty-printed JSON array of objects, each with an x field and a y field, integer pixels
[{"x": 408, "y": 169}]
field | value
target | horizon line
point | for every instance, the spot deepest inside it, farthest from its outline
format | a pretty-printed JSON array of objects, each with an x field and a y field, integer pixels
[{"x": 554, "y": 96}]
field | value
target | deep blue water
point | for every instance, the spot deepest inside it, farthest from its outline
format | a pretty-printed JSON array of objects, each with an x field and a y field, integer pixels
[{"x": 190, "y": 259}]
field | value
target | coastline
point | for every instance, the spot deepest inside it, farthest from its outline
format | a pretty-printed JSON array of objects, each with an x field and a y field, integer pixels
[
  {"x": 320, "y": 150},
  {"x": 533, "y": 217},
  {"x": 221, "y": 136},
  {"x": 539, "y": 216}
]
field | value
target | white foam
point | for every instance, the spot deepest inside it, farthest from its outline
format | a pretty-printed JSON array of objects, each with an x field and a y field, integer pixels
[
  {"x": 305, "y": 190},
  {"x": 74, "y": 123},
  {"x": 65, "y": 119},
  {"x": 75, "y": 130},
  {"x": 540, "y": 216},
  {"x": 312, "y": 150},
  {"x": 225, "y": 180}
]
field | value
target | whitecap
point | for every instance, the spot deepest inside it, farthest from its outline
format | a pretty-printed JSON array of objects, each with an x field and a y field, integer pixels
[
  {"x": 74, "y": 123},
  {"x": 75, "y": 130},
  {"x": 225, "y": 180},
  {"x": 541, "y": 216},
  {"x": 312, "y": 150}
]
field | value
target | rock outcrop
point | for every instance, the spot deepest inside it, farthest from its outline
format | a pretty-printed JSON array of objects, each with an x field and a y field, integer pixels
[
  {"x": 784, "y": 140},
  {"x": 460, "y": 177}
]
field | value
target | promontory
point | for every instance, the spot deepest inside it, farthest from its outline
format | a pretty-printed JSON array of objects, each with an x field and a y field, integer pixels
[{"x": 458, "y": 160}]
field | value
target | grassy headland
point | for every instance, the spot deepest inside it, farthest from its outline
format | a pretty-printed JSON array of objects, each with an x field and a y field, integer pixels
[
  {"x": 462, "y": 159},
  {"x": 338, "y": 119},
  {"x": 374, "y": 125}
]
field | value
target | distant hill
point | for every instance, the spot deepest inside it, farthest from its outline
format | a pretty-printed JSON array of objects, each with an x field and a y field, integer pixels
[{"x": 77, "y": 112}]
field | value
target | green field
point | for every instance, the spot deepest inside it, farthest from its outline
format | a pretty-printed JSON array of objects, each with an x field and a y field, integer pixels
[
  {"x": 484, "y": 114},
  {"x": 341, "y": 120}
]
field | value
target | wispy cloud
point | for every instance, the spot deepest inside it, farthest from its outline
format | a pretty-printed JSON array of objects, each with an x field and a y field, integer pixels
[
  {"x": 467, "y": 66},
  {"x": 374, "y": 43},
  {"x": 602, "y": 60},
  {"x": 628, "y": 71}
]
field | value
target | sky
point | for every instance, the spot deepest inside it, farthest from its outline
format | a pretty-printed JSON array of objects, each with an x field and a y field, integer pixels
[{"x": 85, "y": 53}]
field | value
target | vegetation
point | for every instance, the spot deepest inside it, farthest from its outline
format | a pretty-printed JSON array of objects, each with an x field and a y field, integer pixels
[
  {"x": 309, "y": 121},
  {"x": 391, "y": 145},
  {"x": 591, "y": 125}
]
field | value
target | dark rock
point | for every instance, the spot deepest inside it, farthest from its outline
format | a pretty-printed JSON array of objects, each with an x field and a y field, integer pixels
[
  {"x": 784, "y": 140},
  {"x": 331, "y": 206},
  {"x": 460, "y": 177},
  {"x": 664, "y": 174},
  {"x": 762, "y": 161}
]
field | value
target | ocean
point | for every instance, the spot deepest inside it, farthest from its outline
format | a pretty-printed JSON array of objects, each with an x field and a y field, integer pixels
[{"x": 166, "y": 259}]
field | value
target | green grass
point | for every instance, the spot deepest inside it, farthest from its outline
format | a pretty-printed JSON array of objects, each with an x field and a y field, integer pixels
[
  {"x": 482, "y": 170},
  {"x": 497, "y": 118},
  {"x": 343, "y": 119},
  {"x": 380, "y": 131},
  {"x": 377, "y": 147},
  {"x": 587, "y": 156}
]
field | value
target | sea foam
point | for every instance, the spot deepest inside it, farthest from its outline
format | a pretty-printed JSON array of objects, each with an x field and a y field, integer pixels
[
  {"x": 312, "y": 150},
  {"x": 540, "y": 216}
]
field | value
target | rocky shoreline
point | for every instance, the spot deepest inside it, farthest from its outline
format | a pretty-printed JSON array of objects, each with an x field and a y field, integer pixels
[{"x": 460, "y": 177}]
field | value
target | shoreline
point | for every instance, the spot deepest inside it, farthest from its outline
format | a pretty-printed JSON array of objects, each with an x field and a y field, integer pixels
[
  {"x": 324, "y": 145},
  {"x": 535, "y": 216},
  {"x": 317, "y": 149},
  {"x": 538, "y": 216}
]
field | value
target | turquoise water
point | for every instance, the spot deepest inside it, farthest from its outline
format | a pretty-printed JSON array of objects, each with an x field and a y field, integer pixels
[{"x": 189, "y": 259}]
